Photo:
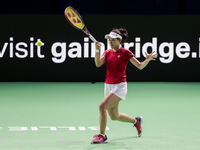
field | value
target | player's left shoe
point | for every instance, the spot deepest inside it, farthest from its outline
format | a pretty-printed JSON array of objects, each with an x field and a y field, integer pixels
[
  {"x": 139, "y": 125},
  {"x": 99, "y": 139}
]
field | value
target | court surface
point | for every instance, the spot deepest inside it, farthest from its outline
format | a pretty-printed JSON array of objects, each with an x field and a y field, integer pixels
[{"x": 64, "y": 116}]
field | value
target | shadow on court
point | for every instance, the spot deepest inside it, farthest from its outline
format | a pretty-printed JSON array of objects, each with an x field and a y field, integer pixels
[{"x": 117, "y": 144}]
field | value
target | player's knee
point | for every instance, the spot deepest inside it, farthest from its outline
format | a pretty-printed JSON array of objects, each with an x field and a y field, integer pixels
[
  {"x": 102, "y": 107},
  {"x": 114, "y": 118}
]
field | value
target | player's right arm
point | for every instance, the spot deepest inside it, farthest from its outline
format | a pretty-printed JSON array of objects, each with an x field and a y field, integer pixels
[{"x": 99, "y": 61}]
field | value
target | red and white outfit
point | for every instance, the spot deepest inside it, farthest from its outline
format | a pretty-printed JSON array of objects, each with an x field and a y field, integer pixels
[{"x": 116, "y": 62}]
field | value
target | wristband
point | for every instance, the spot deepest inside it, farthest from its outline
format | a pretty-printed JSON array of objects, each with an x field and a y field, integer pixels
[{"x": 97, "y": 50}]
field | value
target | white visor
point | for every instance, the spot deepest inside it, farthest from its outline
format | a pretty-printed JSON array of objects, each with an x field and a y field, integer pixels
[{"x": 113, "y": 35}]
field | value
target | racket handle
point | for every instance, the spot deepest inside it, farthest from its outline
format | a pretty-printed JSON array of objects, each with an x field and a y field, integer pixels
[{"x": 92, "y": 38}]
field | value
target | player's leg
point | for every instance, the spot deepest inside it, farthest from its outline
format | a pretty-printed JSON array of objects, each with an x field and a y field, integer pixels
[
  {"x": 115, "y": 115},
  {"x": 109, "y": 101}
]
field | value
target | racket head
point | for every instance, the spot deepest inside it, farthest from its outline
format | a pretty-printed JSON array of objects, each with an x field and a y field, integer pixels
[{"x": 74, "y": 18}]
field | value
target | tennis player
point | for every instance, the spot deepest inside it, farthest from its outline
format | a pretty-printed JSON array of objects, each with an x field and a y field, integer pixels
[{"x": 115, "y": 88}]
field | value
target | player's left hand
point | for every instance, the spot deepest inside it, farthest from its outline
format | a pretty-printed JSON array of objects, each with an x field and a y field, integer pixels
[{"x": 151, "y": 56}]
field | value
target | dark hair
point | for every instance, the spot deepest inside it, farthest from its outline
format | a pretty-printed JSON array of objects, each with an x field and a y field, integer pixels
[{"x": 123, "y": 32}]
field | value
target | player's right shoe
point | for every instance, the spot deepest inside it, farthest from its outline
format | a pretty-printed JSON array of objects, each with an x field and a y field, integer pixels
[
  {"x": 99, "y": 139},
  {"x": 139, "y": 125}
]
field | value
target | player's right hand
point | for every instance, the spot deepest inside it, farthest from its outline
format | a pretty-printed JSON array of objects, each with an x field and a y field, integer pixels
[{"x": 98, "y": 45}]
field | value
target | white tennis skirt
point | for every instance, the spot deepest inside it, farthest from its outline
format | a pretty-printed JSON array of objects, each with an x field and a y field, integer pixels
[{"x": 119, "y": 89}]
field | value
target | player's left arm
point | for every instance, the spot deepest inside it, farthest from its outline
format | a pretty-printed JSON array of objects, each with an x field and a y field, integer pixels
[{"x": 142, "y": 65}]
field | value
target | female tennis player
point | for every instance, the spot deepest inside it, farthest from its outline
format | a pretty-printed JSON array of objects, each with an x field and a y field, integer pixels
[{"x": 115, "y": 88}]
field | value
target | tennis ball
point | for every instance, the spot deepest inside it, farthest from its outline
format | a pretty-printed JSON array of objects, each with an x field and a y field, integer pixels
[{"x": 39, "y": 43}]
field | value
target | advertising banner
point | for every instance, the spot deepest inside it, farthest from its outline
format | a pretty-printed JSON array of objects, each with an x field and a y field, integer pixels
[{"x": 68, "y": 55}]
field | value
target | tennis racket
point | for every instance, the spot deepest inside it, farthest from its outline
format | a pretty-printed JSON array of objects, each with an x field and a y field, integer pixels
[{"x": 75, "y": 19}]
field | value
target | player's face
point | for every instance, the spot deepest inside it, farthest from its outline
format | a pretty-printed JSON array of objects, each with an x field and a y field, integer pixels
[{"x": 114, "y": 43}]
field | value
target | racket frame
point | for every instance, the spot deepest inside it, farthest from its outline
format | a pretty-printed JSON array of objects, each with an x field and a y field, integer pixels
[{"x": 83, "y": 29}]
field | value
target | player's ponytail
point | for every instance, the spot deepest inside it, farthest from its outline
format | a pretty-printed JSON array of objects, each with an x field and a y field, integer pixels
[{"x": 123, "y": 32}]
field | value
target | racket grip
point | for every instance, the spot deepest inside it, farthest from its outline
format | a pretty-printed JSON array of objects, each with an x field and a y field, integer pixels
[{"x": 92, "y": 38}]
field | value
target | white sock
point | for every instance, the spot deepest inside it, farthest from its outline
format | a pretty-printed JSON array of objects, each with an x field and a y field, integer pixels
[
  {"x": 102, "y": 135},
  {"x": 135, "y": 121}
]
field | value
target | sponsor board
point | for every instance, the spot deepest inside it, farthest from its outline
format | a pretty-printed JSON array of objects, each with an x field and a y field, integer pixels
[{"x": 66, "y": 52}]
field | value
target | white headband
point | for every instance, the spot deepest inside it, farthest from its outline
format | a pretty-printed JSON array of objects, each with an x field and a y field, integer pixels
[{"x": 113, "y": 35}]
